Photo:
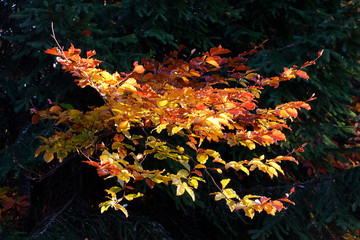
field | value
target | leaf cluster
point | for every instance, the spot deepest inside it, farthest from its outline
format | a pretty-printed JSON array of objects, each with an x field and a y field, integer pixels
[{"x": 181, "y": 97}]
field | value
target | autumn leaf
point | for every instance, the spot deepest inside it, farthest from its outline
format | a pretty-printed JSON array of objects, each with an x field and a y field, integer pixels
[
  {"x": 86, "y": 33},
  {"x": 202, "y": 158},
  {"x": 301, "y": 74},
  {"x": 278, "y": 135},
  {"x": 211, "y": 61},
  {"x": 54, "y": 51},
  {"x": 138, "y": 68},
  {"x": 218, "y": 51}
]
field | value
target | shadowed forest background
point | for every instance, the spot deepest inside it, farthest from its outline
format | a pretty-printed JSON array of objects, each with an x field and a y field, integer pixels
[{"x": 60, "y": 200}]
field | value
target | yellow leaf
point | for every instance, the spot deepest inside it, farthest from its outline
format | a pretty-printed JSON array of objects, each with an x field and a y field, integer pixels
[
  {"x": 104, "y": 208},
  {"x": 162, "y": 103},
  {"x": 189, "y": 191},
  {"x": 243, "y": 84},
  {"x": 123, "y": 126},
  {"x": 219, "y": 160},
  {"x": 250, "y": 212},
  {"x": 193, "y": 182},
  {"x": 283, "y": 114},
  {"x": 202, "y": 158},
  {"x": 131, "y": 196},
  {"x": 244, "y": 169},
  {"x": 219, "y": 196},
  {"x": 182, "y": 173},
  {"x": 106, "y": 76},
  {"x": 160, "y": 127},
  {"x": 252, "y": 76},
  {"x": 200, "y": 166},
  {"x": 272, "y": 171},
  {"x": 212, "y": 153},
  {"x": 224, "y": 182},
  {"x": 230, "y": 193},
  {"x": 122, "y": 208},
  {"x": 276, "y": 166},
  {"x": 251, "y": 196},
  {"x": 48, "y": 156},
  {"x": 212, "y": 62},
  {"x": 55, "y": 109},
  {"x": 124, "y": 175},
  {"x": 231, "y": 204},
  {"x": 250, "y": 144},
  {"x": 180, "y": 190},
  {"x": 176, "y": 130},
  {"x": 185, "y": 79}
]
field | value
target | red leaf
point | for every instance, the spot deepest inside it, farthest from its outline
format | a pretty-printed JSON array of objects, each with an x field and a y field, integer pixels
[
  {"x": 219, "y": 50},
  {"x": 287, "y": 200},
  {"x": 86, "y": 33},
  {"x": 197, "y": 172},
  {"x": 102, "y": 172},
  {"x": 320, "y": 53},
  {"x": 181, "y": 47},
  {"x": 150, "y": 183},
  {"x": 242, "y": 68},
  {"x": 35, "y": 119},
  {"x": 301, "y": 148}
]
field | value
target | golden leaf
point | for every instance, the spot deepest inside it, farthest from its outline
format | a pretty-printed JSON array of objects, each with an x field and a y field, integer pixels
[
  {"x": 224, "y": 182},
  {"x": 202, "y": 158},
  {"x": 212, "y": 62}
]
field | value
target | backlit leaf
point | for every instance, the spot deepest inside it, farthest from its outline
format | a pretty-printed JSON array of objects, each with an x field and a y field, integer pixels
[
  {"x": 224, "y": 182},
  {"x": 202, "y": 158},
  {"x": 212, "y": 62}
]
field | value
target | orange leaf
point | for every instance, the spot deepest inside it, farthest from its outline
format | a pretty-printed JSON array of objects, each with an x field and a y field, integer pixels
[
  {"x": 219, "y": 50},
  {"x": 73, "y": 51},
  {"x": 292, "y": 112},
  {"x": 302, "y": 74},
  {"x": 270, "y": 209},
  {"x": 90, "y": 53},
  {"x": 278, "y": 135},
  {"x": 248, "y": 105},
  {"x": 54, "y": 51},
  {"x": 48, "y": 156},
  {"x": 278, "y": 205},
  {"x": 138, "y": 68},
  {"x": 305, "y": 105},
  {"x": 287, "y": 200}
]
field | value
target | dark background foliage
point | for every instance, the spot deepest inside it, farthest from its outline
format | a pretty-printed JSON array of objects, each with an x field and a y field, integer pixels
[{"x": 63, "y": 197}]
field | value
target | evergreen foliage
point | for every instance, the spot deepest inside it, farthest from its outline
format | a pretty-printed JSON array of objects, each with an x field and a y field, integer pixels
[{"x": 326, "y": 197}]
